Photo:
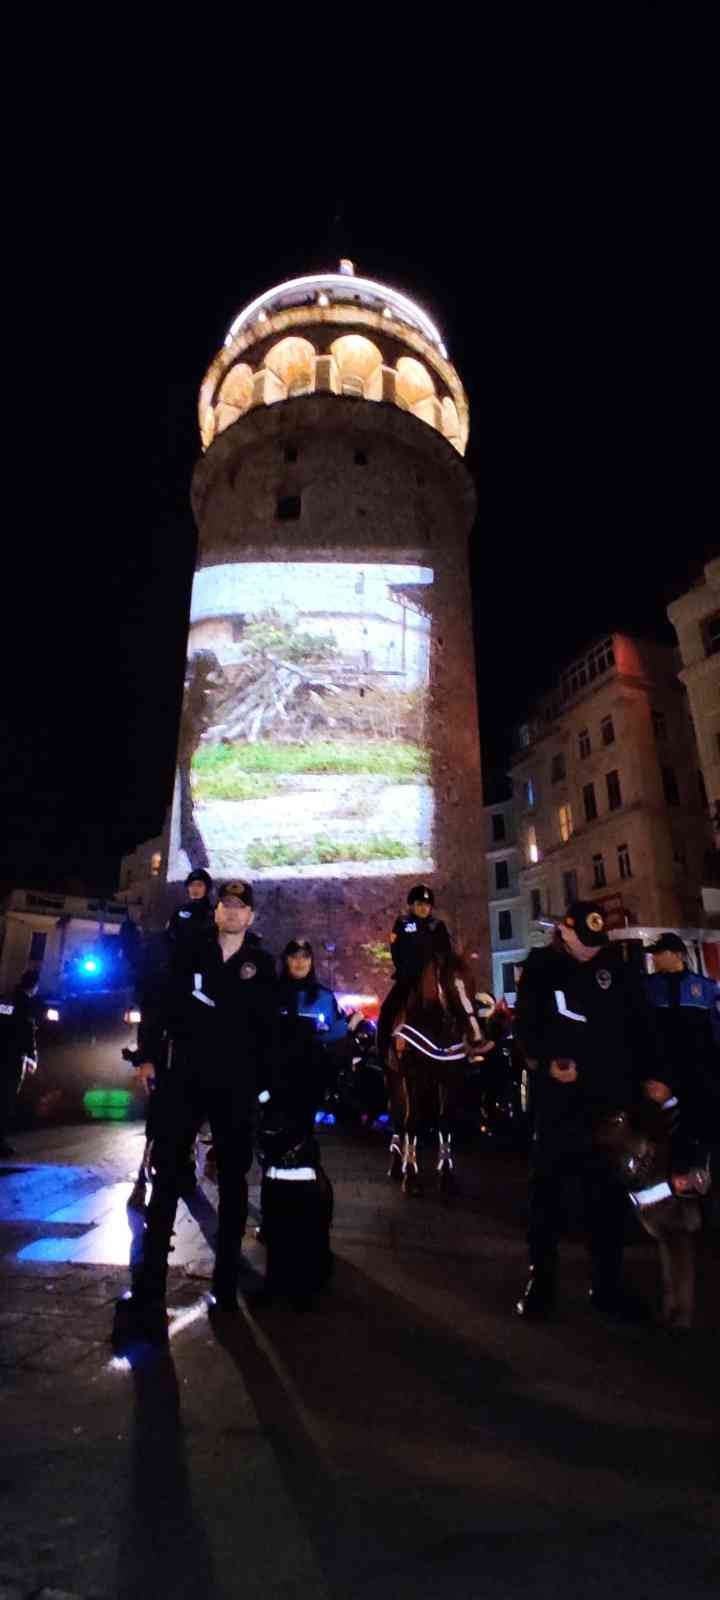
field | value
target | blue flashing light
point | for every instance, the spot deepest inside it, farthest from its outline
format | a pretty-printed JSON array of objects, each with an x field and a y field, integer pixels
[
  {"x": 383, "y": 1119},
  {"x": 319, "y": 1116},
  {"x": 91, "y": 966}
]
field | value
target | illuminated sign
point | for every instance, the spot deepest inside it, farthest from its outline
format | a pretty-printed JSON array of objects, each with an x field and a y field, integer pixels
[{"x": 303, "y": 746}]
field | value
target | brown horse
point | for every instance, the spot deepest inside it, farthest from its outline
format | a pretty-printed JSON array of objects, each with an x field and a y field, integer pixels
[{"x": 434, "y": 1033}]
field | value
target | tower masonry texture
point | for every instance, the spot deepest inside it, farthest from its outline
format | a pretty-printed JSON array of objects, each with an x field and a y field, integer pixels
[{"x": 329, "y": 747}]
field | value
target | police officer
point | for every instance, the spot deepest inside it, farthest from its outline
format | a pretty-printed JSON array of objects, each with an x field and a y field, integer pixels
[
  {"x": 18, "y": 1050},
  {"x": 218, "y": 1020},
  {"x": 687, "y": 1008},
  {"x": 196, "y": 915},
  {"x": 586, "y": 1028}
]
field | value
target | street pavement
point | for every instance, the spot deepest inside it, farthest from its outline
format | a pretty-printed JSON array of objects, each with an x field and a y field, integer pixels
[{"x": 405, "y": 1438}]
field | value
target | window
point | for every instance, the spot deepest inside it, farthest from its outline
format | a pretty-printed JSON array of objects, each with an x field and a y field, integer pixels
[
  {"x": 498, "y": 827},
  {"x": 599, "y": 879},
  {"x": 613, "y": 790},
  {"x": 624, "y": 867},
  {"x": 288, "y": 508},
  {"x": 589, "y": 802},
  {"x": 535, "y": 904},
  {"x": 670, "y": 788},
  {"x": 529, "y": 793},
  {"x": 570, "y": 887},
  {"x": 290, "y": 452},
  {"x": 557, "y": 771},
  {"x": 502, "y": 875},
  {"x": 565, "y": 823},
  {"x": 607, "y": 731},
  {"x": 711, "y": 633},
  {"x": 508, "y": 977},
  {"x": 584, "y": 744},
  {"x": 659, "y": 724},
  {"x": 533, "y": 854},
  {"x": 360, "y": 458},
  {"x": 38, "y": 942},
  {"x": 505, "y": 927}
]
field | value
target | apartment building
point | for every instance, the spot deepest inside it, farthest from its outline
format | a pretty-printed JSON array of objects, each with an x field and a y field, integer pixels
[
  {"x": 506, "y": 902},
  {"x": 695, "y": 617},
  {"x": 608, "y": 800}
]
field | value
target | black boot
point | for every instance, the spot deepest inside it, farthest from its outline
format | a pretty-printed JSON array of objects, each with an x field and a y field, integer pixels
[
  {"x": 139, "y": 1322},
  {"x": 611, "y": 1300},
  {"x": 538, "y": 1297},
  {"x": 224, "y": 1283}
]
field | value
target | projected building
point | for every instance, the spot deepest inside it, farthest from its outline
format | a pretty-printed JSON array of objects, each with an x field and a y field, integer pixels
[{"x": 328, "y": 744}]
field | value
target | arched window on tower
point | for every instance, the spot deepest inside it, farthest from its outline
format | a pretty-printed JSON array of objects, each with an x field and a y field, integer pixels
[
  {"x": 292, "y": 360},
  {"x": 357, "y": 360}
]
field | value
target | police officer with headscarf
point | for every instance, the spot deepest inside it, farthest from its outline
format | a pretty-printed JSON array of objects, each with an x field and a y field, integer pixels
[{"x": 585, "y": 1026}]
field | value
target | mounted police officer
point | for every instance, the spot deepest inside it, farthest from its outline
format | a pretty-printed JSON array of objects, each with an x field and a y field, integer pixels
[
  {"x": 216, "y": 1018},
  {"x": 585, "y": 1026},
  {"x": 416, "y": 937}
]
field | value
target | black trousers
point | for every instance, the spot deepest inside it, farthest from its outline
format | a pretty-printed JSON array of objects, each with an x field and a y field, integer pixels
[
  {"x": 604, "y": 1201},
  {"x": 183, "y": 1102},
  {"x": 11, "y": 1077}
]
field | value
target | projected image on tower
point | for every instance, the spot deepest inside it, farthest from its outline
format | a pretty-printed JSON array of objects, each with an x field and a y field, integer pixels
[{"x": 303, "y": 749}]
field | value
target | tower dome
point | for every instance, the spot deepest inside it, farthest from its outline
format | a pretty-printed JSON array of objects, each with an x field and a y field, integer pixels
[{"x": 334, "y": 333}]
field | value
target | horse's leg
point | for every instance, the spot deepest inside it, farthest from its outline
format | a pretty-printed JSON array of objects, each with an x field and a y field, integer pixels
[
  {"x": 397, "y": 1101},
  {"x": 410, "y": 1169},
  {"x": 445, "y": 1163}
]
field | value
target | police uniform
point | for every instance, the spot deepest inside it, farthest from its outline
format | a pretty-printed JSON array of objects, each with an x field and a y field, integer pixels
[
  {"x": 217, "y": 1022},
  {"x": 687, "y": 1010},
  {"x": 592, "y": 1012},
  {"x": 309, "y": 1021}
]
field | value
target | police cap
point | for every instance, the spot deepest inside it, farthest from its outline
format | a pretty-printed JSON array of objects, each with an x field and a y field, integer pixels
[
  {"x": 420, "y": 892},
  {"x": 587, "y": 920}
]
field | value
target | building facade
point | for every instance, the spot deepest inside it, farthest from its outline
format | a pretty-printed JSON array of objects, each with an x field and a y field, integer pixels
[
  {"x": 507, "y": 904},
  {"x": 49, "y": 931},
  {"x": 607, "y": 797},
  {"x": 695, "y": 617}
]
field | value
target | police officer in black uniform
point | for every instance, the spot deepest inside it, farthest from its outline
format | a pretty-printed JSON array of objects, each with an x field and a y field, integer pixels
[
  {"x": 195, "y": 916},
  {"x": 216, "y": 1015},
  {"x": 18, "y": 1050},
  {"x": 587, "y": 1030}
]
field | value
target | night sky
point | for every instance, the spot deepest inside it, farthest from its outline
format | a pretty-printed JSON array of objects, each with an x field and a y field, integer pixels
[{"x": 562, "y": 240}]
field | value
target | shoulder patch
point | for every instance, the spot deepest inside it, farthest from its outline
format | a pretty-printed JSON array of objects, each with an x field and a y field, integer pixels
[
  {"x": 603, "y": 978},
  {"x": 248, "y": 969}
]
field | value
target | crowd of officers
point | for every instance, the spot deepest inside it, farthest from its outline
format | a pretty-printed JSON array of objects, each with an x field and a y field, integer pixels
[{"x": 220, "y": 1034}]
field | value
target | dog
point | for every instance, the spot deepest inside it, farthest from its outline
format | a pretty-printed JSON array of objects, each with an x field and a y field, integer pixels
[{"x": 665, "y": 1199}]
